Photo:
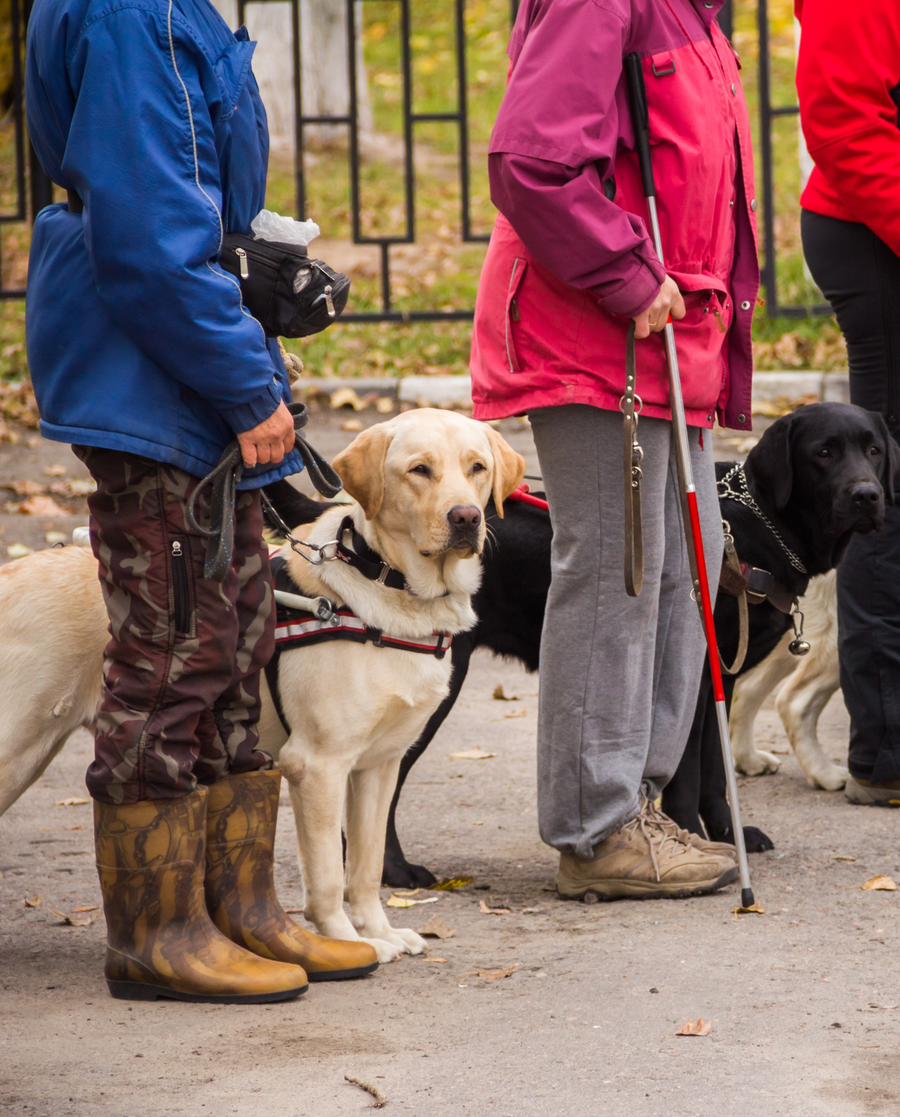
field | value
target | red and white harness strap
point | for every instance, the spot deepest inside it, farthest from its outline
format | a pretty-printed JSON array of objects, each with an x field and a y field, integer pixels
[{"x": 300, "y": 629}]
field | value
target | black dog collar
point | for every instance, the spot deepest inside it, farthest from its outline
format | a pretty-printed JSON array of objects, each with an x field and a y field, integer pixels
[{"x": 368, "y": 562}]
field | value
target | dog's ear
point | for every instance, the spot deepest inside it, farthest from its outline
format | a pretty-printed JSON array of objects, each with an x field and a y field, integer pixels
[
  {"x": 770, "y": 463},
  {"x": 509, "y": 468},
  {"x": 890, "y": 469},
  {"x": 361, "y": 468}
]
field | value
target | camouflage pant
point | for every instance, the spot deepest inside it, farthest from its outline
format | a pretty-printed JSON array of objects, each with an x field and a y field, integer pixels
[{"x": 181, "y": 676}]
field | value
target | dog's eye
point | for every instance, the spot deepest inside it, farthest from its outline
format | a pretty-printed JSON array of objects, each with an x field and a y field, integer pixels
[
  {"x": 825, "y": 453},
  {"x": 874, "y": 451},
  {"x": 422, "y": 470},
  {"x": 479, "y": 467}
]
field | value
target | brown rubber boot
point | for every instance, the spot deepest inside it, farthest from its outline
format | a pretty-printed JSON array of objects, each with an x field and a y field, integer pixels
[
  {"x": 719, "y": 849},
  {"x": 643, "y": 860},
  {"x": 240, "y": 890},
  {"x": 160, "y": 939}
]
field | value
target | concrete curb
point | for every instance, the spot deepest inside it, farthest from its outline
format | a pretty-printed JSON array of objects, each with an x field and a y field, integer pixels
[{"x": 456, "y": 391}]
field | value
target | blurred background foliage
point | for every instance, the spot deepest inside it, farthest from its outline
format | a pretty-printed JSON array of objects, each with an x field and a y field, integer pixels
[{"x": 439, "y": 271}]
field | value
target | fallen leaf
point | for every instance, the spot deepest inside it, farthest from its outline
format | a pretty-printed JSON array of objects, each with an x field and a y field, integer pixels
[
  {"x": 449, "y": 884},
  {"x": 73, "y": 828},
  {"x": 879, "y": 884},
  {"x": 501, "y": 697},
  {"x": 380, "y": 1099},
  {"x": 384, "y": 405},
  {"x": 405, "y": 902},
  {"x": 56, "y": 537},
  {"x": 55, "y": 470},
  {"x": 39, "y": 506},
  {"x": 701, "y": 1028},
  {"x": 72, "y": 802},
  {"x": 25, "y": 488},
  {"x": 19, "y": 550},
  {"x": 472, "y": 754},
  {"x": 32, "y": 901},
  {"x": 518, "y": 714},
  {"x": 753, "y": 909},
  {"x": 490, "y": 975},
  {"x": 437, "y": 928},
  {"x": 485, "y": 910},
  {"x": 76, "y": 919},
  {"x": 74, "y": 486},
  {"x": 843, "y": 859},
  {"x": 352, "y": 425},
  {"x": 437, "y": 959},
  {"x": 346, "y": 397},
  {"x": 86, "y": 907}
]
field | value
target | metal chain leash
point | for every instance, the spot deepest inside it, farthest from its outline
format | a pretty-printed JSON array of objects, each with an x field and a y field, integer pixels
[{"x": 742, "y": 496}]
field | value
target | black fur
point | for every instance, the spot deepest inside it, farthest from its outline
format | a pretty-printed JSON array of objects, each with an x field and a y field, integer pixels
[{"x": 809, "y": 499}]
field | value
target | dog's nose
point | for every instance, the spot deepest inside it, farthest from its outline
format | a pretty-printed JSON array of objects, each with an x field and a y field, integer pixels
[
  {"x": 464, "y": 516},
  {"x": 865, "y": 495}
]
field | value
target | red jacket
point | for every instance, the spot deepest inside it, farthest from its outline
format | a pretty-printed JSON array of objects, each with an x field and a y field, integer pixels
[
  {"x": 570, "y": 259},
  {"x": 848, "y": 81}
]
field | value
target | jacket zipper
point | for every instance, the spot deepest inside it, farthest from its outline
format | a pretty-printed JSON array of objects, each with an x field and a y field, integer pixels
[
  {"x": 512, "y": 310},
  {"x": 181, "y": 594}
]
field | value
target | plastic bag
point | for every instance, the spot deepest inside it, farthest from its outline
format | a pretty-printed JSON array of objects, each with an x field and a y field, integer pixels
[{"x": 283, "y": 230}]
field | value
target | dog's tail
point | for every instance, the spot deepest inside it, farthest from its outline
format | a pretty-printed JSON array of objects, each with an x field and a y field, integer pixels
[{"x": 292, "y": 506}]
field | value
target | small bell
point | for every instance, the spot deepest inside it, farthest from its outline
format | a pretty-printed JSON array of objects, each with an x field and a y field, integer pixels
[{"x": 798, "y": 647}]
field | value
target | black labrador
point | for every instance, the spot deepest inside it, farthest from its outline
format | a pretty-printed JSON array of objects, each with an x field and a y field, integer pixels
[{"x": 817, "y": 475}]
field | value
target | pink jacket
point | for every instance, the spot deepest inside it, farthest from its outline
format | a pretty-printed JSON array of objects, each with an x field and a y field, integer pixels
[{"x": 570, "y": 258}]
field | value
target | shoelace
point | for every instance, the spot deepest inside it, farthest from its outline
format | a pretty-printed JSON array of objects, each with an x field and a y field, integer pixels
[{"x": 648, "y": 820}]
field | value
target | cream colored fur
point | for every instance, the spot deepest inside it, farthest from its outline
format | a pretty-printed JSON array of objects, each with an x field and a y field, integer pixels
[
  {"x": 811, "y": 681},
  {"x": 353, "y": 709}
]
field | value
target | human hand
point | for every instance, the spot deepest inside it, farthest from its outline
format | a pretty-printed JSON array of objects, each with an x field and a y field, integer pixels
[
  {"x": 653, "y": 319},
  {"x": 270, "y": 440}
]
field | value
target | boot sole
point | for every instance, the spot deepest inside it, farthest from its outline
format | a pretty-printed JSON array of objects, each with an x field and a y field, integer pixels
[
  {"x": 136, "y": 991},
  {"x": 640, "y": 890},
  {"x": 343, "y": 975}
]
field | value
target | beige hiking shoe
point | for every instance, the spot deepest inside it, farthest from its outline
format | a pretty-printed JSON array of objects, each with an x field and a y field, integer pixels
[
  {"x": 867, "y": 794},
  {"x": 644, "y": 859},
  {"x": 720, "y": 849}
]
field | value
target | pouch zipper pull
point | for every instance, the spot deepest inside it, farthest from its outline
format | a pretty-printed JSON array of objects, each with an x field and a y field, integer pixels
[
  {"x": 720, "y": 321},
  {"x": 329, "y": 301},
  {"x": 242, "y": 258},
  {"x": 514, "y": 310}
]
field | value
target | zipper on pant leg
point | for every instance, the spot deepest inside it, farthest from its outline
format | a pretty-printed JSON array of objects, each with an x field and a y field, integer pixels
[{"x": 181, "y": 590}]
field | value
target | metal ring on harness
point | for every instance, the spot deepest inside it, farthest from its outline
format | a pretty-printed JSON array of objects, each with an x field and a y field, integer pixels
[{"x": 630, "y": 405}]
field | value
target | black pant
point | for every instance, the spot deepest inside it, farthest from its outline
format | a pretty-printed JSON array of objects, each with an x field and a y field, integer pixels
[{"x": 860, "y": 277}]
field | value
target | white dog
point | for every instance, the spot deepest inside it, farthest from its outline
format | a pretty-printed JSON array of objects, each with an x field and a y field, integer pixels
[
  {"x": 811, "y": 681},
  {"x": 421, "y": 481}
]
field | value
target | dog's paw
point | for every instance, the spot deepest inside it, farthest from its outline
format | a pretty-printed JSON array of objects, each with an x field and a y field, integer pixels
[
  {"x": 386, "y": 951},
  {"x": 413, "y": 943},
  {"x": 829, "y": 778},
  {"x": 757, "y": 763},
  {"x": 756, "y": 841},
  {"x": 403, "y": 874}
]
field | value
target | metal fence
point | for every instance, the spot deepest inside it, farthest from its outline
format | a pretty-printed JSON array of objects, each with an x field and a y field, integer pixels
[{"x": 32, "y": 190}]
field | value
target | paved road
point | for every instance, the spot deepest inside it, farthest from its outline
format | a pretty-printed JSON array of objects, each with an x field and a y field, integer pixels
[{"x": 803, "y": 1000}]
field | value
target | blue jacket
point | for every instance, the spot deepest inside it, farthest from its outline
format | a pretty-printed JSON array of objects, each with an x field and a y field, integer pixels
[{"x": 137, "y": 339}]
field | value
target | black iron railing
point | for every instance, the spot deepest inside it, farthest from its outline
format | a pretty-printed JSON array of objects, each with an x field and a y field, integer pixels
[{"x": 32, "y": 189}]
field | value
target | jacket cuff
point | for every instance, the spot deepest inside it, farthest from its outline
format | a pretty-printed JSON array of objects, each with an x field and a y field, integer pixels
[
  {"x": 248, "y": 415},
  {"x": 630, "y": 297}
]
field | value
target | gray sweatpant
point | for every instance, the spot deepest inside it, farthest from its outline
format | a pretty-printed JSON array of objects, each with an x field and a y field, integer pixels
[{"x": 619, "y": 675}]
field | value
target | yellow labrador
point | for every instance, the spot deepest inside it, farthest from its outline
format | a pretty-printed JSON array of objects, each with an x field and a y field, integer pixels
[{"x": 421, "y": 481}]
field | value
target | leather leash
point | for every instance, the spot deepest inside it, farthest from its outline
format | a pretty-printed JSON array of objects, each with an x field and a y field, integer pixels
[
  {"x": 738, "y": 587},
  {"x": 224, "y": 480},
  {"x": 630, "y": 405}
]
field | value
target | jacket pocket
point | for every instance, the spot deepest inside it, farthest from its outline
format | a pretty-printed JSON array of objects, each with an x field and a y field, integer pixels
[
  {"x": 232, "y": 70},
  {"x": 512, "y": 311},
  {"x": 182, "y": 603}
]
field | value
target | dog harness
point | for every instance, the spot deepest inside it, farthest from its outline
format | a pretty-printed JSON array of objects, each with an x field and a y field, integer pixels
[{"x": 301, "y": 628}]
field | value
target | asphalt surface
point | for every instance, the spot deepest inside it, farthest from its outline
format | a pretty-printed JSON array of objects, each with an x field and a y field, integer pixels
[{"x": 802, "y": 1000}]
